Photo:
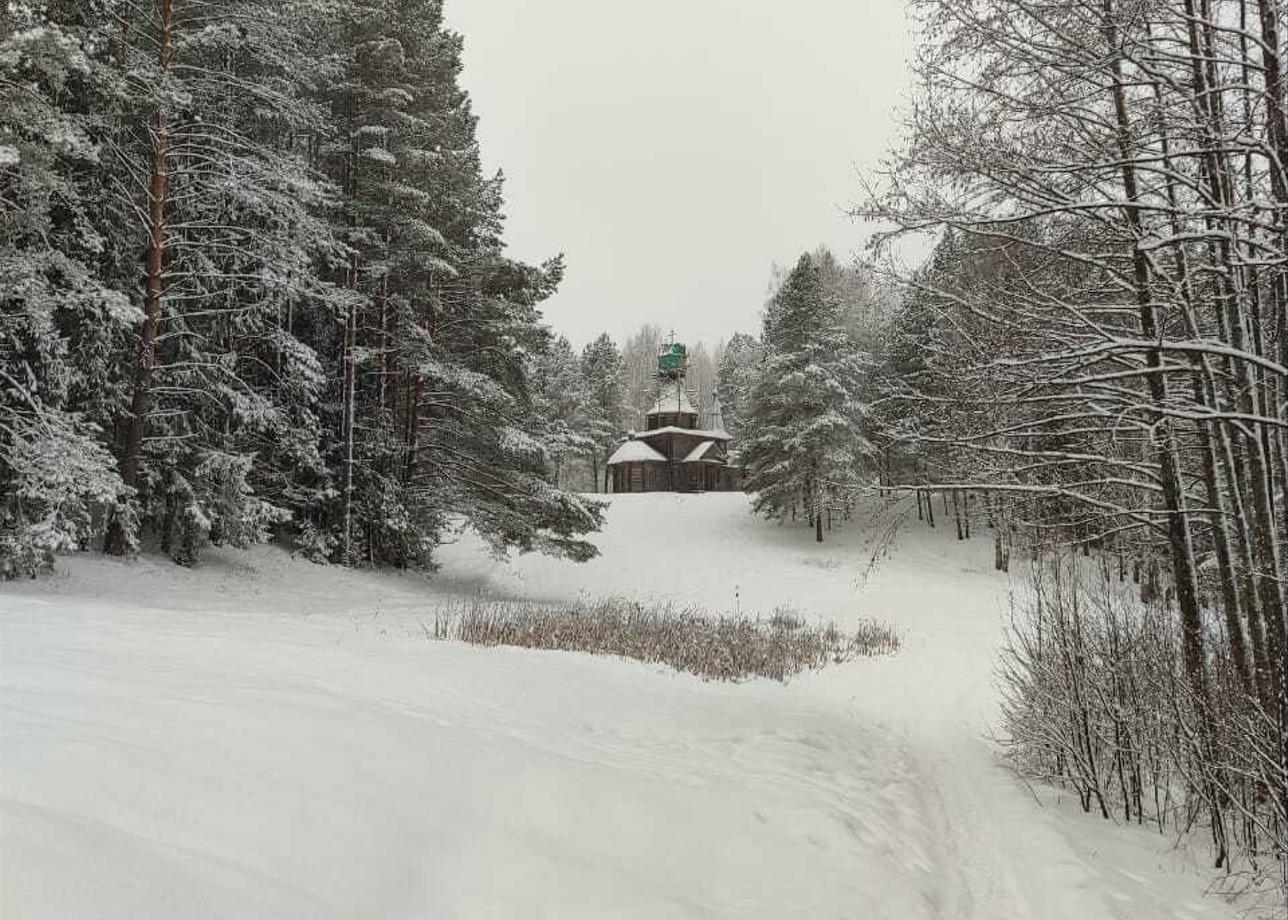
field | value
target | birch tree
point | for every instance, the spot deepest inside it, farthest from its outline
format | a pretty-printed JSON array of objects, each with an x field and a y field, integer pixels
[{"x": 1107, "y": 347}]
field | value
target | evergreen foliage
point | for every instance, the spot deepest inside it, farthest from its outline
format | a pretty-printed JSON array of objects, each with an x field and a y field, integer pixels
[
  {"x": 253, "y": 282},
  {"x": 60, "y": 321},
  {"x": 739, "y": 367},
  {"x": 562, "y": 409},
  {"x": 602, "y": 368},
  {"x": 807, "y": 445}
]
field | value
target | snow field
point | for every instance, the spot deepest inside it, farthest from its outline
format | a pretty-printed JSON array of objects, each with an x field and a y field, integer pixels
[{"x": 265, "y": 738}]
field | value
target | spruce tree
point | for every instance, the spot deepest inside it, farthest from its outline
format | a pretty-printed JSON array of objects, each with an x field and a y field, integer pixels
[
  {"x": 806, "y": 445},
  {"x": 60, "y": 323}
]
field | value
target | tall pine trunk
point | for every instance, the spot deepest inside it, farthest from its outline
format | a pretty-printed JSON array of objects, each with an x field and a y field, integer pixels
[
  {"x": 348, "y": 383},
  {"x": 115, "y": 541}
]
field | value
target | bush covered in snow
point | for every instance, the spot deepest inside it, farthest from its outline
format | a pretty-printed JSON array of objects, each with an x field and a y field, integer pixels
[{"x": 1096, "y": 700}]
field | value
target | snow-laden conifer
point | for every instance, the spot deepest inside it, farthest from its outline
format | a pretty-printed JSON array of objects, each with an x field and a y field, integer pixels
[
  {"x": 602, "y": 370},
  {"x": 806, "y": 445}
]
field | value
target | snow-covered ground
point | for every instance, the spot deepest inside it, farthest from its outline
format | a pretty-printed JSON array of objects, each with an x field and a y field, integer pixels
[{"x": 262, "y": 737}]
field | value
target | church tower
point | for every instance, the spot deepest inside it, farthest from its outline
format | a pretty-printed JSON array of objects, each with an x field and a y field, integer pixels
[{"x": 673, "y": 454}]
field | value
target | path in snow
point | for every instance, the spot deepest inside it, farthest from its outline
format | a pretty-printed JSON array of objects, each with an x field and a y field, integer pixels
[{"x": 266, "y": 738}]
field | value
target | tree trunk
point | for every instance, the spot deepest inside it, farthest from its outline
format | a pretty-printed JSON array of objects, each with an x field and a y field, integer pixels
[
  {"x": 1174, "y": 504},
  {"x": 413, "y": 428},
  {"x": 154, "y": 289},
  {"x": 350, "y": 331},
  {"x": 350, "y": 324}
]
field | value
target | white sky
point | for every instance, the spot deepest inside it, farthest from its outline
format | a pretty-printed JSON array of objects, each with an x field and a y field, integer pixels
[{"x": 675, "y": 149}]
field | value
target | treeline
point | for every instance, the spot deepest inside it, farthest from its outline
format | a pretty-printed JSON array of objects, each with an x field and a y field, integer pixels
[
  {"x": 252, "y": 282},
  {"x": 1098, "y": 354},
  {"x": 795, "y": 398}
]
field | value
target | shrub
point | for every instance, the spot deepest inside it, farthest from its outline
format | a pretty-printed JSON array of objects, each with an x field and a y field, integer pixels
[
  {"x": 685, "y": 638},
  {"x": 1095, "y": 700}
]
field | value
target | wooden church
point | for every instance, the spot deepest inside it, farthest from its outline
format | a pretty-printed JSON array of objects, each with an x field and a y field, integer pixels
[{"x": 673, "y": 454}]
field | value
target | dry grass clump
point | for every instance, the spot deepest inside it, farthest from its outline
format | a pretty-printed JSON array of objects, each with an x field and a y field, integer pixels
[{"x": 716, "y": 648}]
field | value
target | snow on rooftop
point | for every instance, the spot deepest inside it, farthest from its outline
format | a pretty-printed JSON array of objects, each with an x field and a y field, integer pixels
[
  {"x": 706, "y": 433},
  {"x": 634, "y": 451},
  {"x": 699, "y": 452}
]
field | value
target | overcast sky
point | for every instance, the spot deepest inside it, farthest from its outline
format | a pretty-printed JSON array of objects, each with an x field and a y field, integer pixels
[{"x": 674, "y": 150}]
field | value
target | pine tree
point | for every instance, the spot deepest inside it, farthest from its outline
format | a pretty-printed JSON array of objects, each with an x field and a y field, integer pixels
[
  {"x": 431, "y": 415},
  {"x": 806, "y": 445},
  {"x": 250, "y": 261},
  {"x": 602, "y": 368},
  {"x": 224, "y": 212}
]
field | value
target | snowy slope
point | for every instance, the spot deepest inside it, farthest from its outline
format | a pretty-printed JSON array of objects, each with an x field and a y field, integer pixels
[{"x": 266, "y": 738}]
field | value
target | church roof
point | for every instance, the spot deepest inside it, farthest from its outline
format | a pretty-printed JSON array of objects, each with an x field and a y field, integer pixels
[
  {"x": 634, "y": 451},
  {"x": 673, "y": 399},
  {"x": 699, "y": 452},
  {"x": 705, "y": 433}
]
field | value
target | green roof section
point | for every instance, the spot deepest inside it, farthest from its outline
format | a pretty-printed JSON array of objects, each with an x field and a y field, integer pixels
[{"x": 671, "y": 358}]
